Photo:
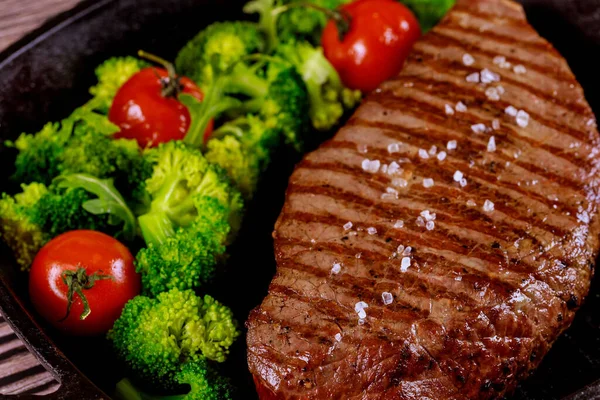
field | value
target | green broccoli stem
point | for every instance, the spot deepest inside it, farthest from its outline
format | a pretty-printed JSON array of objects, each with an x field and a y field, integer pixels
[
  {"x": 156, "y": 227},
  {"x": 125, "y": 390}
]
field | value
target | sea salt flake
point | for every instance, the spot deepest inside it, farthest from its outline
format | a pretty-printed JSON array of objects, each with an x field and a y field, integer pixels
[
  {"x": 499, "y": 60},
  {"x": 405, "y": 264},
  {"x": 399, "y": 224},
  {"x": 399, "y": 182},
  {"x": 473, "y": 78},
  {"x": 362, "y": 314},
  {"x": 384, "y": 168},
  {"x": 433, "y": 150},
  {"x": 371, "y": 166},
  {"x": 428, "y": 182},
  {"x": 510, "y": 110},
  {"x": 429, "y": 216},
  {"x": 371, "y": 230},
  {"x": 478, "y": 128},
  {"x": 496, "y": 124},
  {"x": 491, "y": 146},
  {"x": 461, "y": 107},
  {"x": 338, "y": 337},
  {"x": 348, "y": 225},
  {"x": 452, "y": 145},
  {"x": 457, "y": 176},
  {"x": 448, "y": 109},
  {"x": 393, "y": 148},
  {"x": 468, "y": 59},
  {"x": 337, "y": 267},
  {"x": 520, "y": 69},
  {"x": 407, "y": 251},
  {"x": 430, "y": 225},
  {"x": 423, "y": 154},
  {"x": 420, "y": 222},
  {"x": 492, "y": 94},
  {"x": 463, "y": 182},
  {"x": 393, "y": 168},
  {"x": 488, "y": 206},
  {"x": 361, "y": 305},
  {"x": 471, "y": 203},
  {"x": 441, "y": 156},
  {"x": 387, "y": 298},
  {"x": 522, "y": 119},
  {"x": 488, "y": 76}
]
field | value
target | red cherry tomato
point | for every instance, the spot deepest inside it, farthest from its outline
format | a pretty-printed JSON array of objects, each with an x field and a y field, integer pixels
[
  {"x": 98, "y": 266},
  {"x": 143, "y": 113},
  {"x": 381, "y": 34}
]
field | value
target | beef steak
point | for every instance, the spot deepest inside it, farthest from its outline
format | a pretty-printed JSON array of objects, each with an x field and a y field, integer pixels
[{"x": 439, "y": 244}]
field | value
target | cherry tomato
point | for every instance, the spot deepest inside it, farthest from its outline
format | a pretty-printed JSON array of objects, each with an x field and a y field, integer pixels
[
  {"x": 144, "y": 113},
  {"x": 96, "y": 267},
  {"x": 380, "y": 36}
]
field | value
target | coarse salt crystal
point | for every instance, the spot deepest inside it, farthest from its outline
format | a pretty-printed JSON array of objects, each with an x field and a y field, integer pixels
[
  {"x": 520, "y": 69},
  {"x": 361, "y": 321},
  {"x": 433, "y": 150},
  {"x": 492, "y": 94},
  {"x": 473, "y": 78},
  {"x": 428, "y": 215},
  {"x": 491, "y": 144},
  {"x": 391, "y": 191},
  {"x": 407, "y": 251},
  {"x": 496, "y": 124},
  {"x": 387, "y": 298},
  {"x": 478, "y": 128},
  {"x": 387, "y": 196},
  {"x": 457, "y": 176},
  {"x": 405, "y": 264},
  {"x": 488, "y": 206},
  {"x": 362, "y": 314},
  {"x": 423, "y": 154},
  {"x": 522, "y": 119},
  {"x": 361, "y": 305},
  {"x": 371, "y": 230},
  {"x": 399, "y": 224},
  {"x": 510, "y": 110},
  {"x": 384, "y": 168},
  {"x": 471, "y": 203},
  {"x": 448, "y": 109},
  {"x": 393, "y": 168},
  {"x": 348, "y": 225},
  {"x": 399, "y": 249},
  {"x": 371, "y": 166},
  {"x": 420, "y": 222},
  {"x": 488, "y": 76},
  {"x": 399, "y": 182},
  {"x": 499, "y": 60},
  {"x": 393, "y": 148},
  {"x": 505, "y": 65},
  {"x": 337, "y": 267},
  {"x": 362, "y": 148},
  {"x": 358, "y": 255},
  {"x": 468, "y": 59},
  {"x": 441, "y": 156},
  {"x": 452, "y": 145},
  {"x": 463, "y": 182},
  {"x": 428, "y": 182},
  {"x": 430, "y": 225},
  {"x": 338, "y": 337},
  {"x": 500, "y": 89}
]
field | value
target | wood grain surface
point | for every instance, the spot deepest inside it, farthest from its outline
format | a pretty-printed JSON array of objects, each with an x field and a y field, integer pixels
[{"x": 20, "y": 371}]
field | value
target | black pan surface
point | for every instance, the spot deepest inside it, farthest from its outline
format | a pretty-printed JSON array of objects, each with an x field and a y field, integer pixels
[{"x": 46, "y": 75}]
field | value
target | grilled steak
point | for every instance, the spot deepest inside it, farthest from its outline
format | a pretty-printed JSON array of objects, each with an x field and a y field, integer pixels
[{"x": 439, "y": 244}]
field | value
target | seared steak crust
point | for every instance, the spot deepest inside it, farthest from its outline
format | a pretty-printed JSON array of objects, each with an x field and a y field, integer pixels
[{"x": 493, "y": 280}]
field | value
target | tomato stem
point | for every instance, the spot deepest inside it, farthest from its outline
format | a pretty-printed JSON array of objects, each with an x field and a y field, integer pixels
[
  {"x": 171, "y": 86},
  {"x": 77, "y": 281}
]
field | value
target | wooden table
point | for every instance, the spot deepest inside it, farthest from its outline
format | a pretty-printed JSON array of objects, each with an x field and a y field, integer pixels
[{"x": 20, "y": 372}]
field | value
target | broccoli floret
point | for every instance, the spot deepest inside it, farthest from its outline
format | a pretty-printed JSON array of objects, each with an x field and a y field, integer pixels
[
  {"x": 243, "y": 148},
  {"x": 203, "y": 380},
  {"x": 156, "y": 338},
  {"x": 329, "y": 98},
  {"x": 429, "y": 12},
  {"x": 188, "y": 258},
  {"x": 31, "y": 218},
  {"x": 216, "y": 49},
  {"x": 180, "y": 180},
  {"x": 283, "y": 20},
  {"x": 112, "y": 74},
  {"x": 81, "y": 143}
]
